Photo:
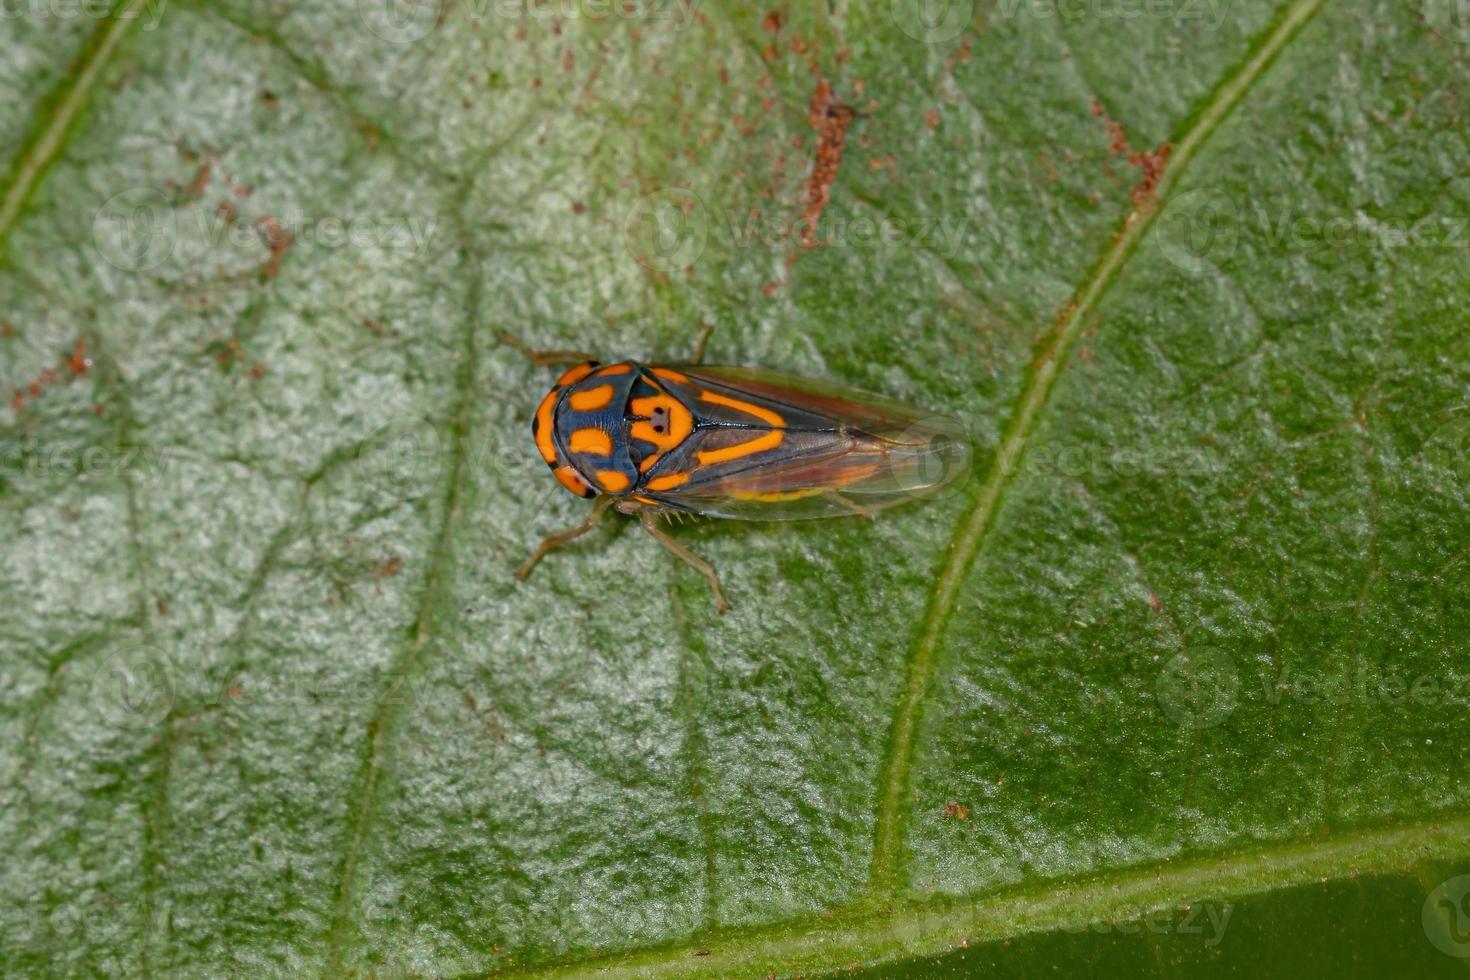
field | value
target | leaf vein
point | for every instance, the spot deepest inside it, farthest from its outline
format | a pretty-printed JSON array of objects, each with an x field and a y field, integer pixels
[{"x": 971, "y": 533}]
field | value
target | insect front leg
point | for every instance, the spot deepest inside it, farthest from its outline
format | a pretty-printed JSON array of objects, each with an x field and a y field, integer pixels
[
  {"x": 545, "y": 356},
  {"x": 553, "y": 541},
  {"x": 650, "y": 524}
]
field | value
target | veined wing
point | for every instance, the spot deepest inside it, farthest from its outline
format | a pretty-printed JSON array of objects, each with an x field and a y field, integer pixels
[{"x": 771, "y": 446}]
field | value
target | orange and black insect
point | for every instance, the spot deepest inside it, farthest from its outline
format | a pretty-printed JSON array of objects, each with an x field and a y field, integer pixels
[{"x": 732, "y": 442}]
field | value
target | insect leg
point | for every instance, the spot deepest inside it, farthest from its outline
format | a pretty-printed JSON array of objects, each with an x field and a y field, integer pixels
[
  {"x": 697, "y": 355},
  {"x": 650, "y": 524},
  {"x": 545, "y": 356},
  {"x": 851, "y": 505},
  {"x": 553, "y": 541}
]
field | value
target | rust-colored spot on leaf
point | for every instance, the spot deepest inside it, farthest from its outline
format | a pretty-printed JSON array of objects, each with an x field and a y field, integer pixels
[
  {"x": 197, "y": 186},
  {"x": 830, "y": 118},
  {"x": 279, "y": 240},
  {"x": 75, "y": 364},
  {"x": 79, "y": 362},
  {"x": 1151, "y": 163}
]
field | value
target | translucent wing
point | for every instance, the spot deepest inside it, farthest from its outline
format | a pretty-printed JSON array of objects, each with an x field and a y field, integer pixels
[{"x": 832, "y": 450}]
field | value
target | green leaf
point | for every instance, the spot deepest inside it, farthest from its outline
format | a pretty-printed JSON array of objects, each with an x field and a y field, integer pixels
[{"x": 1191, "y": 641}]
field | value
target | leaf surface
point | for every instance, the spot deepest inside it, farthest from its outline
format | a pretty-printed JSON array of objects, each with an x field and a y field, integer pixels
[{"x": 1193, "y": 280}]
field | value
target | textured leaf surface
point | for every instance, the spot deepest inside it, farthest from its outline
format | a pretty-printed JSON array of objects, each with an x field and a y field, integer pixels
[{"x": 1195, "y": 632}]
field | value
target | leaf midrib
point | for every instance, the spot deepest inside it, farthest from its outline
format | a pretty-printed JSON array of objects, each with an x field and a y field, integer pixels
[
  {"x": 933, "y": 927},
  {"x": 970, "y": 536}
]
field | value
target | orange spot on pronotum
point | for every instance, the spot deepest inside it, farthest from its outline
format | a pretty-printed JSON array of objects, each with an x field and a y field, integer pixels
[
  {"x": 591, "y": 399},
  {"x": 612, "y": 481},
  {"x": 590, "y": 440}
]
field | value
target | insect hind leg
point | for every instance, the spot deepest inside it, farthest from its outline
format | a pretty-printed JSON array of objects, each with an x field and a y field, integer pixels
[
  {"x": 553, "y": 541},
  {"x": 650, "y": 524}
]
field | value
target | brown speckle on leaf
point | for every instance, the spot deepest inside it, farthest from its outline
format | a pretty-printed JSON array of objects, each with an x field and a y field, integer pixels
[
  {"x": 74, "y": 364},
  {"x": 79, "y": 362},
  {"x": 773, "y": 21},
  {"x": 830, "y": 118},
  {"x": 957, "y": 811},
  {"x": 1151, "y": 163},
  {"x": 279, "y": 240},
  {"x": 201, "y": 180}
]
